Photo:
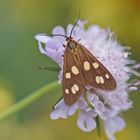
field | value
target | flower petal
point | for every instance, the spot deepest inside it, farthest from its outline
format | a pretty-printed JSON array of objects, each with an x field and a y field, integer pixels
[
  {"x": 81, "y": 23},
  {"x": 82, "y": 104},
  {"x": 60, "y": 111},
  {"x": 59, "y": 30},
  {"x": 42, "y": 38},
  {"x": 113, "y": 125},
  {"x": 52, "y": 53},
  {"x": 51, "y": 44},
  {"x": 86, "y": 122},
  {"x": 72, "y": 110},
  {"x": 93, "y": 31},
  {"x": 56, "y": 56}
]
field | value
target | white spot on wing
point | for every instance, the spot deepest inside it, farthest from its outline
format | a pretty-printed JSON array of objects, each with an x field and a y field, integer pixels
[
  {"x": 86, "y": 65},
  {"x": 66, "y": 91},
  {"x": 107, "y": 76},
  {"x": 73, "y": 90},
  {"x": 74, "y": 70},
  {"x": 101, "y": 80},
  {"x": 97, "y": 79},
  {"x": 95, "y": 65},
  {"x": 76, "y": 87},
  {"x": 68, "y": 75}
]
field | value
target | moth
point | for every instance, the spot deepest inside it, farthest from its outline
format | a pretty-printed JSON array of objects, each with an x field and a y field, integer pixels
[{"x": 82, "y": 69}]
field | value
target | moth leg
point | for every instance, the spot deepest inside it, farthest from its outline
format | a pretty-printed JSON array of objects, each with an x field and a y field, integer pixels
[
  {"x": 42, "y": 67},
  {"x": 79, "y": 40},
  {"x": 49, "y": 68},
  {"x": 57, "y": 103}
]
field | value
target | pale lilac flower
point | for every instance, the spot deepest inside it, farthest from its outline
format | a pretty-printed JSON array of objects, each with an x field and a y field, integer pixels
[{"x": 108, "y": 105}]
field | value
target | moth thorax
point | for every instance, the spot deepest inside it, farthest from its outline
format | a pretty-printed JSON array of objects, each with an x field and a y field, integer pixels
[{"x": 72, "y": 44}]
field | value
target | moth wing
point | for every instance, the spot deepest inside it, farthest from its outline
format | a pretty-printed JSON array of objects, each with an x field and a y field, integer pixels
[
  {"x": 72, "y": 79},
  {"x": 97, "y": 76}
]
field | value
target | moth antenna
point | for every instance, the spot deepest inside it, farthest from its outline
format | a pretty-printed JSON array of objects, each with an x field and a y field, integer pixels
[
  {"x": 56, "y": 35},
  {"x": 75, "y": 24},
  {"x": 59, "y": 35}
]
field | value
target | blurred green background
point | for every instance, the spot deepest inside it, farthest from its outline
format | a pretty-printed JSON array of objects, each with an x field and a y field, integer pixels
[{"x": 20, "y": 20}]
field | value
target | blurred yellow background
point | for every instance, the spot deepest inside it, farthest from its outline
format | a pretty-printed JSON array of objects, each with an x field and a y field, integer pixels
[{"x": 20, "y": 20}]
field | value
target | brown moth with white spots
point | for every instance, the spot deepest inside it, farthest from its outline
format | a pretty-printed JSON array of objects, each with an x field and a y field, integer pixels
[{"x": 82, "y": 69}]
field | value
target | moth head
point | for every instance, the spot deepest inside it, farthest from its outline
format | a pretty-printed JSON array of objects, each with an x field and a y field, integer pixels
[{"x": 71, "y": 43}]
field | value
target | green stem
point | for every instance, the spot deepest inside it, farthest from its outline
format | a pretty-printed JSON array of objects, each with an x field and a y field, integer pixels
[
  {"x": 19, "y": 106},
  {"x": 98, "y": 125}
]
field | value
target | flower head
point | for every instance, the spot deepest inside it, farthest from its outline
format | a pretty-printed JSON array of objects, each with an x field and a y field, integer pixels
[{"x": 100, "y": 103}]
